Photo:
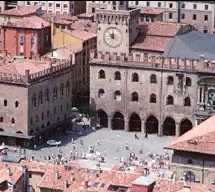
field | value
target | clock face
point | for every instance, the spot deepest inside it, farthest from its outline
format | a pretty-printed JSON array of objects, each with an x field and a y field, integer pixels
[{"x": 113, "y": 37}]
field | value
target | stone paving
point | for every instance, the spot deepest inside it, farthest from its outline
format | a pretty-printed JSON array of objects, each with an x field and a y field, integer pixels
[{"x": 112, "y": 145}]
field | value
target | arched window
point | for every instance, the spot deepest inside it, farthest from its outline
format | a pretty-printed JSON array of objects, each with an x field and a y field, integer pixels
[
  {"x": 153, "y": 78},
  {"x": 134, "y": 96},
  {"x": 13, "y": 121},
  {"x": 47, "y": 94},
  {"x": 67, "y": 88},
  {"x": 153, "y": 98},
  {"x": 188, "y": 81},
  {"x": 117, "y": 75},
  {"x": 55, "y": 93},
  {"x": 187, "y": 101},
  {"x": 101, "y": 74},
  {"x": 5, "y": 102},
  {"x": 117, "y": 96},
  {"x": 170, "y": 100},
  {"x": 135, "y": 77},
  {"x": 62, "y": 89},
  {"x": 34, "y": 100},
  {"x": 170, "y": 80},
  {"x": 41, "y": 97},
  {"x": 1, "y": 119},
  {"x": 101, "y": 93},
  {"x": 16, "y": 104}
]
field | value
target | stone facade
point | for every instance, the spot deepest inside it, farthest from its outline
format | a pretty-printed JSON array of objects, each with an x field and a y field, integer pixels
[
  {"x": 35, "y": 103},
  {"x": 59, "y": 7}
]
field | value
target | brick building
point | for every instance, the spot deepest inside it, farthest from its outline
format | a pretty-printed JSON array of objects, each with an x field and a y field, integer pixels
[
  {"x": 27, "y": 37},
  {"x": 35, "y": 98},
  {"x": 200, "y": 14},
  {"x": 193, "y": 154},
  {"x": 137, "y": 91},
  {"x": 58, "y": 7}
]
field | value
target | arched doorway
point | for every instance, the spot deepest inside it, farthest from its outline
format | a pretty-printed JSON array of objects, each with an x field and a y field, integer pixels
[
  {"x": 118, "y": 121},
  {"x": 102, "y": 118},
  {"x": 151, "y": 124},
  {"x": 185, "y": 126},
  {"x": 169, "y": 126},
  {"x": 190, "y": 176},
  {"x": 134, "y": 122}
]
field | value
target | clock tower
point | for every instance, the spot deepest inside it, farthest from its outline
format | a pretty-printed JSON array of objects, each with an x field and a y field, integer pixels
[{"x": 116, "y": 30}]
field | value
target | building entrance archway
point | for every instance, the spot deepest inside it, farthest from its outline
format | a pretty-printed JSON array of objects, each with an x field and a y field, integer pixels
[
  {"x": 118, "y": 121},
  {"x": 102, "y": 118},
  {"x": 151, "y": 125},
  {"x": 134, "y": 122},
  {"x": 169, "y": 126},
  {"x": 185, "y": 126}
]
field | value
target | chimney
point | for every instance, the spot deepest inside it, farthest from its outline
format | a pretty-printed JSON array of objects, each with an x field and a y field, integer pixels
[
  {"x": 27, "y": 75},
  {"x": 9, "y": 171},
  {"x": 143, "y": 183},
  {"x": 67, "y": 184}
]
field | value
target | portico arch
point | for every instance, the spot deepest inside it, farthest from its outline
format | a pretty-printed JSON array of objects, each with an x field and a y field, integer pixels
[
  {"x": 134, "y": 122},
  {"x": 151, "y": 124},
  {"x": 102, "y": 118},
  {"x": 118, "y": 121},
  {"x": 169, "y": 126},
  {"x": 185, "y": 126}
]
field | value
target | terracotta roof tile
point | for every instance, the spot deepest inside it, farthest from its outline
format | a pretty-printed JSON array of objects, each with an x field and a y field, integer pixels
[
  {"x": 21, "y": 11},
  {"x": 32, "y": 22},
  {"x": 200, "y": 139}
]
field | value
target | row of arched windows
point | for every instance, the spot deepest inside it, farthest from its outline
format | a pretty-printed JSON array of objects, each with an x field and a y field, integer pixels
[
  {"x": 45, "y": 96},
  {"x": 135, "y": 78},
  {"x": 153, "y": 97},
  {"x": 2, "y": 120}
]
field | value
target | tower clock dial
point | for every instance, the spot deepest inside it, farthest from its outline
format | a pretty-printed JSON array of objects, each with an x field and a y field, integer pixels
[{"x": 113, "y": 37}]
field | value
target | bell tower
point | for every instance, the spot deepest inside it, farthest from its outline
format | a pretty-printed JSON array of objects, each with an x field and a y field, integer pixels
[{"x": 116, "y": 29}]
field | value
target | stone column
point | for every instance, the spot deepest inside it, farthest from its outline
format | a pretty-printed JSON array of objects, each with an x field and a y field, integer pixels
[
  {"x": 143, "y": 127},
  {"x": 177, "y": 129},
  {"x": 109, "y": 122},
  {"x": 160, "y": 128},
  {"x": 126, "y": 124}
]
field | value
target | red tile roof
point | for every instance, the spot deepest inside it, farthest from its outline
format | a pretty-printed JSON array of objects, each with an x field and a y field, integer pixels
[
  {"x": 31, "y": 22},
  {"x": 155, "y": 36},
  {"x": 200, "y": 139},
  {"x": 21, "y": 11}
]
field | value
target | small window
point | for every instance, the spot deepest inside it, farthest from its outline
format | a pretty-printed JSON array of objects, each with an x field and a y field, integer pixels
[
  {"x": 5, "y": 102},
  {"x": 206, "y": 17},
  {"x": 205, "y": 31},
  {"x": 50, "y": 4},
  {"x": 13, "y": 121},
  {"x": 62, "y": 89},
  {"x": 28, "y": 3},
  {"x": 47, "y": 94},
  {"x": 41, "y": 97},
  {"x": 101, "y": 74},
  {"x": 136, "y": 2},
  {"x": 194, "y": 17},
  {"x": 152, "y": 98},
  {"x": 206, "y": 7},
  {"x": 153, "y": 78},
  {"x": 117, "y": 96},
  {"x": 65, "y": 6},
  {"x": 170, "y": 15},
  {"x": 1, "y": 119},
  {"x": 194, "y": 6},
  {"x": 101, "y": 93},
  {"x": 58, "y": 5},
  {"x": 55, "y": 93},
  {"x": 159, "y": 4},
  {"x": 135, "y": 77},
  {"x": 187, "y": 101},
  {"x": 170, "y": 100},
  {"x": 190, "y": 161},
  {"x": 16, "y": 104},
  {"x": 93, "y": 10},
  {"x": 183, "y": 6},
  {"x": 182, "y": 16},
  {"x": 148, "y": 4},
  {"x": 134, "y": 96},
  {"x": 188, "y": 81},
  {"x": 170, "y": 5},
  {"x": 117, "y": 75},
  {"x": 170, "y": 80}
]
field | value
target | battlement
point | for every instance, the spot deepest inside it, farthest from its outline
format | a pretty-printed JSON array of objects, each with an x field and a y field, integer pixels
[
  {"x": 28, "y": 71},
  {"x": 141, "y": 60}
]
